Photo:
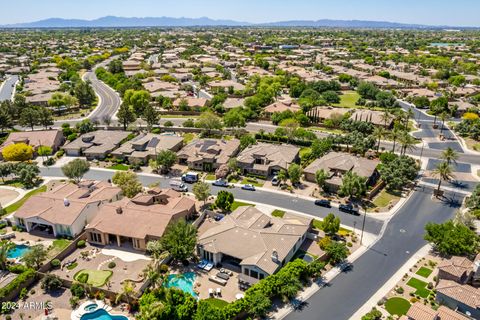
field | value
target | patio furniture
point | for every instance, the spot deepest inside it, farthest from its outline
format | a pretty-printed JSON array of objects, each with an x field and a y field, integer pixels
[
  {"x": 239, "y": 296},
  {"x": 202, "y": 264},
  {"x": 217, "y": 280},
  {"x": 219, "y": 292},
  {"x": 208, "y": 267},
  {"x": 210, "y": 292},
  {"x": 223, "y": 275}
]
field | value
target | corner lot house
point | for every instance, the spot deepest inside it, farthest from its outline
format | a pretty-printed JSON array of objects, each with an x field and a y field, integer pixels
[
  {"x": 208, "y": 154},
  {"x": 95, "y": 145},
  {"x": 50, "y": 138},
  {"x": 257, "y": 243},
  {"x": 336, "y": 164},
  {"x": 146, "y": 146},
  {"x": 266, "y": 159},
  {"x": 132, "y": 223},
  {"x": 458, "y": 269},
  {"x": 65, "y": 210}
]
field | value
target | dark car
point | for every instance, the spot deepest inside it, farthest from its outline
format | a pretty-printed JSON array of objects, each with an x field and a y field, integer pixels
[
  {"x": 349, "y": 208},
  {"x": 323, "y": 203}
]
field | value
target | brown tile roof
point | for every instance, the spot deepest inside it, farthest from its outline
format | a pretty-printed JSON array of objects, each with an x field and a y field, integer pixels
[
  {"x": 445, "y": 313},
  {"x": 456, "y": 266},
  {"x": 280, "y": 155},
  {"x": 465, "y": 294},
  {"x": 34, "y": 138},
  {"x": 419, "y": 311},
  {"x": 344, "y": 162}
]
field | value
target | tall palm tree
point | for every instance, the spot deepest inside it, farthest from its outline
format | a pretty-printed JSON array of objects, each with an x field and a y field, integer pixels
[
  {"x": 386, "y": 117},
  {"x": 443, "y": 117},
  {"x": 407, "y": 142},
  {"x": 409, "y": 114},
  {"x": 378, "y": 133},
  {"x": 449, "y": 156},
  {"x": 443, "y": 171},
  {"x": 5, "y": 246},
  {"x": 395, "y": 134}
]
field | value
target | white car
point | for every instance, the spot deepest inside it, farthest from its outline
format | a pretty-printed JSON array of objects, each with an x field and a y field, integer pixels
[{"x": 249, "y": 187}]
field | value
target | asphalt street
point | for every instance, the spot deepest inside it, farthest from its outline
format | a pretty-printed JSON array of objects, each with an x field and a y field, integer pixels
[{"x": 7, "y": 88}]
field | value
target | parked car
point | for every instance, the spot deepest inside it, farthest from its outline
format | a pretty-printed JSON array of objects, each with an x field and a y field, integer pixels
[
  {"x": 323, "y": 203},
  {"x": 249, "y": 187},
  {"x": 178, "y": 186},
  {"x": 190, "y": 177},
  {"x": 220, "y": 183},
  {"x": 275, "y": 181},
  {"x": 349, "y": 208}
]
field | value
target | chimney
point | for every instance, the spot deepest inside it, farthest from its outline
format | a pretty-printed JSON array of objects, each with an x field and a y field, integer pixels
[
  {"x": 119, "y": 210},
  {"x": 66, "y": 202}
]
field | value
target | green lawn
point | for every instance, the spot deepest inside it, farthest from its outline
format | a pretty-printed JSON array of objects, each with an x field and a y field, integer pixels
[
  {"x": 317, "y": 224},
  {"x": 96, "y": 278},
  {"x": 72, "y": 266},
  {"x": 15, "y": 206},
  {"x": 348, "y": 100},
  {"x": 384, "y": 198},
  {"x": 219, "y": 303},
  {"x": 398, "y": 306},
  {"x": 120, "y": 166},
  {"x": 175, "y": 116},
  {"x": 304, "y": 151},
  {"x": 421, "y": 287},
  {"x": 188, "y": 137},
  {"x": 254, "y": 181},
  {"x": 237, "y": 204},
  {"x": 210, "y": 177},
  {"x": 278, "y": 213},
  {"x": 58, "y": 246},
  {"x": 12, "y": 183},
  {"x": 424, "y": 272}
]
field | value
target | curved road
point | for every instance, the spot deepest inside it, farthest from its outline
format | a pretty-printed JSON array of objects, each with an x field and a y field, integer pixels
[
  {"x": 8, "y": 87},
  {"x": 109, "y": 99}
]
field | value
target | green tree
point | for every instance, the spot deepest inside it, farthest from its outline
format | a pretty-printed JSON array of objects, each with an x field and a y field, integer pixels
[
  {"x": 209, "y": 121},
  {"x": 320, "y": 177},
  {"x": 337, "y": 252},
  {"x": 62, "y": 100},
  {"x": 150, "y": 116},
  {"x": 234, "y": 118},
  {"x": 398, "y": 172},
  {"x": 246, "y": 141},
  {"x": 443, "y": 172},
  {"x": 17, "y": 152},
  {"x": 76, "y": 169},
  {"x": 35, "y": 256},
  {"x": 353, "y": 185},
  {"x": 449, "y": 156},
  {"x": 378, "y": 133},
  {"x": 84, "y": 93},
  {"x": 115, "y": 66},
  {"x": 27, "y": 174},
  {"x": 295, "y": 173},
  {"x": 320, "y": 147},
  {"x": 45, "y": 117},
  {"x": 201, "y": 190},
  {"x": 29, "y": 117},
  {"x": 452, "y": 239},
  {"x": 128, "y": 291},
  {"x": 331, "y": 224},
  {"x": 5, "y": 116},
  {"x": 259, "y": 304},
  {"x": 180, "y": 239},
  {"x": 224, "y": 200},
  {"x": 126, "y": 115},
  {"x": 51, "y": 282},
  {"x": 282, "y": 176},
  {"x": 128, "y": 182},
  {"x": 139, "y": 100},
  {"x": 5, "y": 247},
  {"x": 166, "y": 159},
  {"x": 85, "y": 126}
]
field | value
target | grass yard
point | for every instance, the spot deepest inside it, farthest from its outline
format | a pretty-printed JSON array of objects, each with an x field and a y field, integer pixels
[
  {"x": 58, "y": 246},
  {"x": 421, "y": 287},
  {"x": 219, "y": 303},
  {"x": 278, "y": 213},
  {"x": 424, "y": 272},
  {"x": 317, "y": 224},
  {"x": 96, "y": 278},
  {"x": 303, "y": 151},
  {"x": 254, "y": 181},
  {"x": 398, "y": 306},
  {"x": 237, "y": 204},
  {"x": 348, "y": 100},
  {"x": 119, "y": 166},
  {"x": 15, "y": 206},
  {"x": 72, "y": 266},
  {"x": 210, "y": 177},
  {"x": 188, "y": 137},
  {"x": 384, "y": 198}
]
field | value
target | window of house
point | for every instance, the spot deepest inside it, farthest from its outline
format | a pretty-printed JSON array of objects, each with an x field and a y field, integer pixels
[{"x": 254, "y": 274}]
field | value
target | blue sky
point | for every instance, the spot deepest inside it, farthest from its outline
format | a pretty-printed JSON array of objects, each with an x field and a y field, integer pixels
[{"x": 435, "y": 12}]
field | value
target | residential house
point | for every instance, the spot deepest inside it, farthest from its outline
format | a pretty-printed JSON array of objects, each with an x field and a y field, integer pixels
[
  {"x": 259, "y": 244},
  {"x": 319, "y": 114},
  {"x": 208, "y": 154},
  {"x": 372, "y": 116},
  {"x": 133, "y": 223},
  {"x": 460, "y": 297},
  {"x": 95, "y": 145},
  {"x": 281, "y": 106},
  {"x": 192, "y": 103},
  {"x": 264, "y": 159},
  {"x": 146, "y": 146},
  {"x": 50, "y": 138},
  {"x": 419, "y": 311},
  {"x": 458, "y": 269},
  {"x": 336, "y": 164},
  {"x": 65, "y": 210}
]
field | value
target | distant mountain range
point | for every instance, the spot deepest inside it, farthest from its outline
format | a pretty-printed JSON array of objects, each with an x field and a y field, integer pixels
[{"x": 111, "y": 21}]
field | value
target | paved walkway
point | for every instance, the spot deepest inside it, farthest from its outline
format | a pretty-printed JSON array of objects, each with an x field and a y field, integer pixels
[{"x": 124, "y": 255}]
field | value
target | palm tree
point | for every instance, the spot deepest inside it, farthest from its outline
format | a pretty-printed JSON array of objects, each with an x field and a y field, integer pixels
[
  {"x": 395, "y": 134},
  {"x": 443, "y": 171},
  {"x": 449, "y": 156},
  {"x": 443, "y": 117},
  {"x": 386, "y": 117},
  {"x": 128, "y": 290},
  {"x": 378, "y": 133},
  {"x": 407, "y": 142},
  {"x": 5, "y": 246},
  {"x": 409, "y": 114}
]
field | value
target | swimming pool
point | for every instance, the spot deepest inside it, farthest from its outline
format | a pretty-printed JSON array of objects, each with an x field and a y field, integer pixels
[
  {"x": 102, "y": 314},
  {"x": 18, "y": 252},
  {"x": 183, "y": 282},
  {"x": 91, "y": 307}
]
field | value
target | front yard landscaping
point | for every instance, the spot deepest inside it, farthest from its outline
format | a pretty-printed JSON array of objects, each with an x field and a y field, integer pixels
[
  {"x": 96, "y": 278},
  {"x": 15, "y": 206},
  {"x": 210, "y": 177},
  {"x": 424, "y": 272},
  {"x": 237, "y": 204},
  {"x": 397, "y": 306},
  {"x": 421, "y": 287},
  {"x": 254, "y": 181},
  {"x": 348, "y": 100},
  {"x": 119, "y": 166},
  {"x": 278, "y": 213},
  {"x": 384, "y": 198}
]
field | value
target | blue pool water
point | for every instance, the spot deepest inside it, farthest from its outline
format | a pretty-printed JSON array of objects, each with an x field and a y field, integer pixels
[
  {"x": 102, "y": 314},
  {"x": 182, "y": 281},
  {"x": 91, "y": 307},
  {"x": 18, "y": 252}
]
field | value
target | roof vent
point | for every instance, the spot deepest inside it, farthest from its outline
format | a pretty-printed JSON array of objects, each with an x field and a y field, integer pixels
[
  {"x": 274, "y": 255},
  {"x": 66, "y": 202},
  {"x": 119, "y": 210}
]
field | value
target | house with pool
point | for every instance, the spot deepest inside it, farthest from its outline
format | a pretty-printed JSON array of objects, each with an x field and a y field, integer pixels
[
  {"x": 131, "y": 223},
  {"x": 66, "y": 209},
  {"x": 253, "y": 242}
]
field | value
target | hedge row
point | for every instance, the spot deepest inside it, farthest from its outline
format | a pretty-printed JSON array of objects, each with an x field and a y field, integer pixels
[{"x": 16, "y": 283}]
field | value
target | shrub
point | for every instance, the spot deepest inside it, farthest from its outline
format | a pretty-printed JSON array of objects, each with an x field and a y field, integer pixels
[
  {"x": 17, "y": 282},
  {"x": 112, "y": 265},
  {"x": 81, "y": 244},
  {"x": 163, "y": 268},
  {"x": 430, "y": 285},
  {"x": 17, "y": 268},
  {"x": 74, "y": 301},
  {"x": 413, "y": 300},
  {"x": 23, "y": 294},
  {"x": 399, "y": 290},
  {"x": 324, "y": 242},
  {"x": 55, "y": 263},
  {"x": 51, "y": 282},
  {"x": 77, "y": 290},
  {"x": 168, "y": 124},
  {"x": 82, "y": 278}
]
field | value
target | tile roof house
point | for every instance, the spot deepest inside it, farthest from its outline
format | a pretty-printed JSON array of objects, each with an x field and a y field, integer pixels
[
  {"x": 372, "y": 116},
  {"x": 51, "y": 138},
  {"x": 266, "y": 159},
  {"x": 132, "y": 223},
  {"x": 281, "y": 106},
  {"x": 461, "y": 297},
  {"x": 336, "y": 164},
  {"x": 419, "y": 311},
  {"x": 458, "y": 269},
  {"x": 146, "y": 146},
  {"x": 208, "y": 154},
  {"x": 95, "y": 145},
  {"x": 318, "y": 114},
  {"x": 258, "y": 243},
  {"x": 65, "y": 210}
]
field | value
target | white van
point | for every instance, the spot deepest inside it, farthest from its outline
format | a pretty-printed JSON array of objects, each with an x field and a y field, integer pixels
[{"x": 190, "y": 177}]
